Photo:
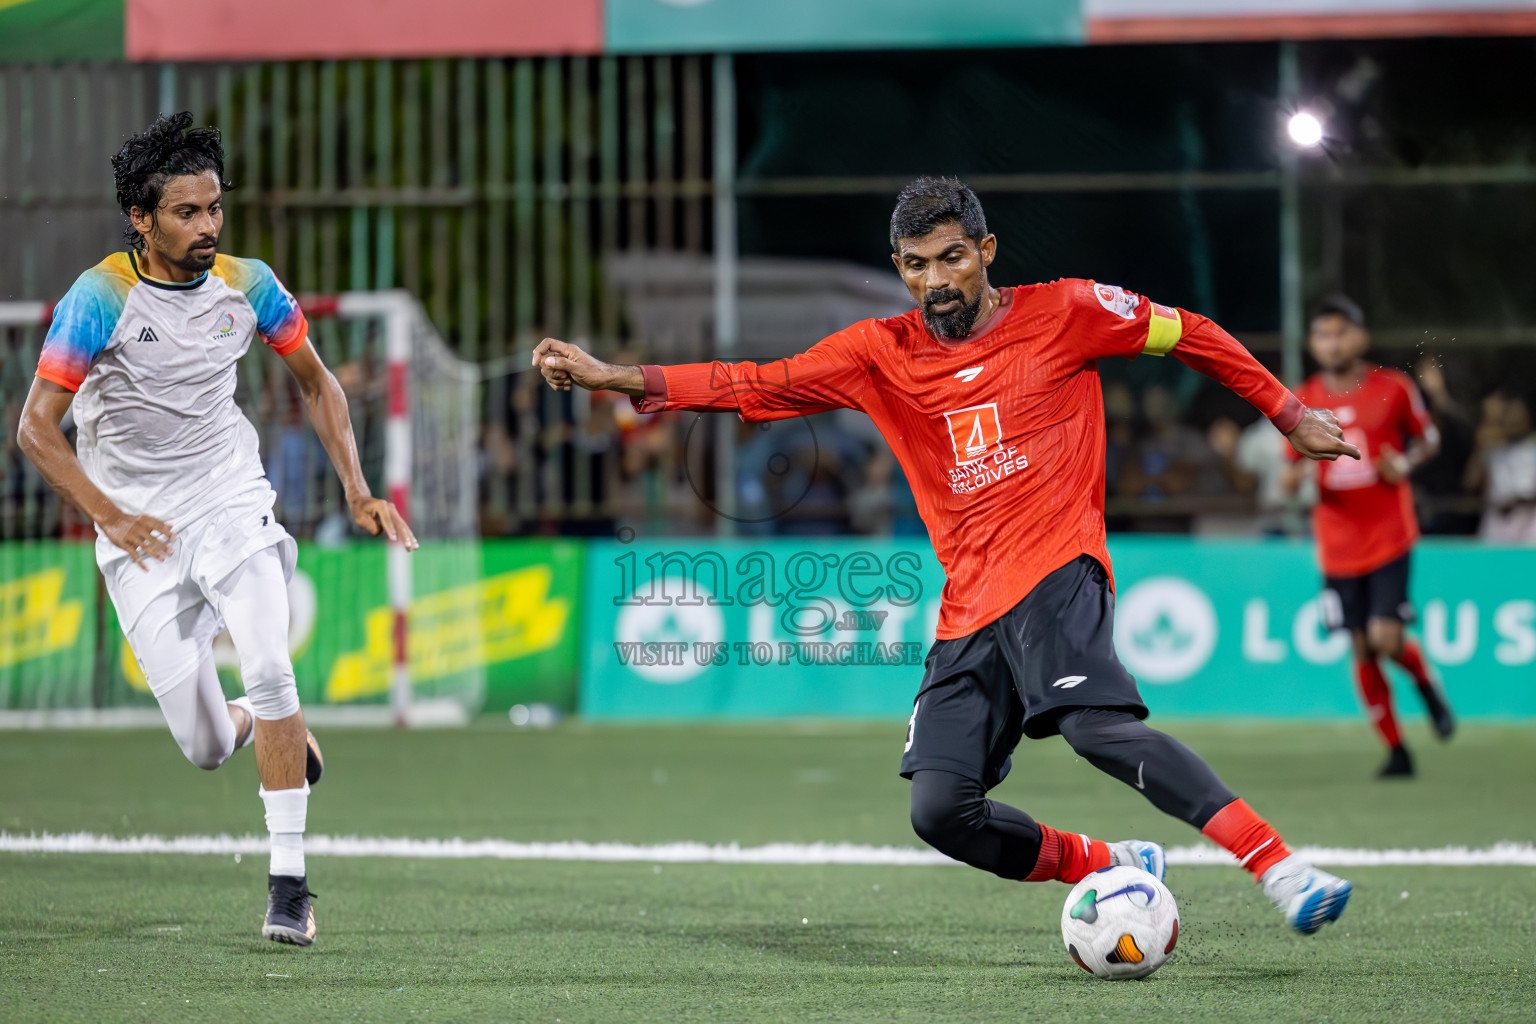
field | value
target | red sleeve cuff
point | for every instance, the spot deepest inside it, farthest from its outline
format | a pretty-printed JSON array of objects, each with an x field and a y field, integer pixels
[
  {"x": 61, "y": 380},
  {"x": 655, "y": 397},
  {"x": 294, "y": 333},
  {"x": 1289, "y": 415}
]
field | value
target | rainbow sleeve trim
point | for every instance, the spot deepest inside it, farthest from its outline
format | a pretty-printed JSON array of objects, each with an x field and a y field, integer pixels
[
  {"x": 83, "y": 322},
  {"x": 278, "y": 317}
]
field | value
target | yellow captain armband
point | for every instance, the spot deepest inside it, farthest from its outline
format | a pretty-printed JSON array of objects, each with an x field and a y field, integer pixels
[{"x": 1163, "y": 330}]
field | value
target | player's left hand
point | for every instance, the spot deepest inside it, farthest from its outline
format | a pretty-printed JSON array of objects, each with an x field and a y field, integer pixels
[
  {"x": 1392, "y": 465},
  {"x": 379, "y": 516},
  {"x": 1319, "y": 436}
]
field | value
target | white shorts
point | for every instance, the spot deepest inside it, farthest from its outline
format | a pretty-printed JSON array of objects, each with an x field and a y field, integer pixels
[{"x": 180, "y": 589}]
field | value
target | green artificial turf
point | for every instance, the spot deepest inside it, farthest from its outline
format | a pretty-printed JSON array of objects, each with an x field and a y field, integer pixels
[{"x": 114, "y": 937}]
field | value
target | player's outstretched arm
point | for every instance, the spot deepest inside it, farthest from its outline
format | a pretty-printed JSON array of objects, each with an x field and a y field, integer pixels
[
  {"x": 39, "y": 437},
  {"x": 829, "y": 375},
  {"x": 327, "y": 406},
  {"x": 564, "y": 364},
  {"x": 1203, "y": 346}
]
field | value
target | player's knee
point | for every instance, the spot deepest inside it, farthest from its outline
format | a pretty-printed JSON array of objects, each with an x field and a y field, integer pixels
[
  {"x": 208, "y": 757},
  {"x": 1362, "y": 645},
  {"x": 206, "y": 747},
  {"x": 1386, "y": 637},
  {"x": 944, "y": 804},
  {"x": 1101, "y": 734},
  {"x": 269, "y": 682}
]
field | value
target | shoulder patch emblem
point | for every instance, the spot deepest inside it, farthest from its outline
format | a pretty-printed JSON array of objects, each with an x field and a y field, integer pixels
[{"x": 1117, "y": 300}]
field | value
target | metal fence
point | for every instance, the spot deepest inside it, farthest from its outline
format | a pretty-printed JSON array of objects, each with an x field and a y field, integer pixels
[{"x": 569, "y": 196}]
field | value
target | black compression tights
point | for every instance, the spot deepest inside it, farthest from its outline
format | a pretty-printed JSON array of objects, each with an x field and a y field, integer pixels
[{"x": 952, "y": 814}]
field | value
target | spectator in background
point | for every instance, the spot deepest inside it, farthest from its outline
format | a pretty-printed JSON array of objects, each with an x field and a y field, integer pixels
[
  {"x": 1503, "y": 466},
  {"x": 293, "y": 452},
  {"x": 883, "y": 505},
  {"x": 1262, "y": 455},
  {"x": 1166, "y": 461},
  {"x": 1119, "y": 431},
  {"x": 1222, "y": 473},
  {"x": 1440, "y": 480}
]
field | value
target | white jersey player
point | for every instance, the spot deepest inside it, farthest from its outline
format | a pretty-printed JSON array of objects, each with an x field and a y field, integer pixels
[{"x": 145, "y": 346}]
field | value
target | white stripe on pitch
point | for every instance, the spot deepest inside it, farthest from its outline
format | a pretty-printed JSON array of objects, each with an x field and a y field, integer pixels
[{"x": 1508, "y": 853}]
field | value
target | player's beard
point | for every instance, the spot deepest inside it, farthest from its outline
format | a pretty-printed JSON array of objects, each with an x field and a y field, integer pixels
[
  {"x": 953, "y": 325},
  {"x": 193, "y": 262},
  {"x": 196, "y": 263}
]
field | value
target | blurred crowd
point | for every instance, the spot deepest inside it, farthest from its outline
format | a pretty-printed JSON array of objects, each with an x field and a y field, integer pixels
[{"x": 1201, "y": 463}]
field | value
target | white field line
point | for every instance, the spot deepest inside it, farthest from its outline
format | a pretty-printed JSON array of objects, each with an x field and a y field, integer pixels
[{"x": 1508, "y": 853}]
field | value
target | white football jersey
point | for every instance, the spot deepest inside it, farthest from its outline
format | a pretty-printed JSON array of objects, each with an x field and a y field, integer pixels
[{"x": 153, "y": 367}]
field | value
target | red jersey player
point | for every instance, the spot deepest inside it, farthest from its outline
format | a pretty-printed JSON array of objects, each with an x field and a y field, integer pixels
[
  {"x": 1364, "y": 517},
  {"x": 990, "y": 399}
]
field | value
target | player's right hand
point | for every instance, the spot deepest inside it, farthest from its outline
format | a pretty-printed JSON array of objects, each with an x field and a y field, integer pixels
[
  {"x": 141, "y": 536},
  {"x": 564, "y": 364},
  {"x": 1318, "y": 436}
]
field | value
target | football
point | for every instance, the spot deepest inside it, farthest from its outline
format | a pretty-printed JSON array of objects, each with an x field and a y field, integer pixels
[{"x": 1120, "y": 923}]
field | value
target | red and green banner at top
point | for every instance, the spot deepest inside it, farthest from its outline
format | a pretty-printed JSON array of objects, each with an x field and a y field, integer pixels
[{"x": 219, "y": 30}]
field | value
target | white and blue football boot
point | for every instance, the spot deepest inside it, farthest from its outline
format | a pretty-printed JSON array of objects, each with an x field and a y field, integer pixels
[
  {"x": 1139, "y": 853},
  {"x": 1307, "y": 896}
]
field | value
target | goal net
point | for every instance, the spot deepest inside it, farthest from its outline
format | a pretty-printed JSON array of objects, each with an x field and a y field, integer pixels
[{"x": 377, "y": 634}]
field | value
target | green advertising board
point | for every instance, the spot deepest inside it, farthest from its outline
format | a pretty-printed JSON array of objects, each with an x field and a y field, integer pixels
[
  {"x": 48, "y": 625},
  {"x": 709, "y": 26},
  {"x": 687, "y": 629},
  {"x": 492, "y": 624}
]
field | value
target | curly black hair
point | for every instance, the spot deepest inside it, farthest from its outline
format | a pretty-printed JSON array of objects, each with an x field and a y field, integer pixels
[
  {"x": 167, "y": 148},
  {"x": 928, "y": 202}
]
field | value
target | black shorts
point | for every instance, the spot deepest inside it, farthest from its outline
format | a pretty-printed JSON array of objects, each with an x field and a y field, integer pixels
[
  {"x": 1349, "y": 602},
  {"x": 1014, "y": 677}
]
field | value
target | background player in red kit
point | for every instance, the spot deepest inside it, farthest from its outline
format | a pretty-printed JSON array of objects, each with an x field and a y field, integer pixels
[
  {"x": 1364, "y": 517},
  {"x": 990, "y": 399}
]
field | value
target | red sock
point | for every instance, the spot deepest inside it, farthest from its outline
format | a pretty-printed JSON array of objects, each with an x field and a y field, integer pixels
[
  {"x": 1411, "y": 657},
  {"x": 1067, "y": 856},
  {"x": 1377, "y": 697},
  {"x": 1248, "y": 837}
]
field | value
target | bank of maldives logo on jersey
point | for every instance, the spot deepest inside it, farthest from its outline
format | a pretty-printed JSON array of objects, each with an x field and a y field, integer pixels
[
  {"x": 974, "y": 432},
  {"x": 981, "y": 458}
]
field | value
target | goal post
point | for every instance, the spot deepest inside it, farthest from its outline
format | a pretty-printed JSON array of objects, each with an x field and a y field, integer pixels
[
  {"x": 414, "y": 407},
  {"x": 424, "y": 413}
]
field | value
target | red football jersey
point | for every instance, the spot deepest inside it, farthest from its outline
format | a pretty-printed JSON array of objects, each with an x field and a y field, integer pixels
[
  {"x": 1000, "y": 434},
  {"x": 1362, "y": 522}
]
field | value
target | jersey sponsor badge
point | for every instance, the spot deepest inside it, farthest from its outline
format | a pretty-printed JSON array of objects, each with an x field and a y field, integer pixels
[
  {"x": 1117, "y": 300},
  {"x": 975, "y": 432},
  {"x": 147, "y": 334},
  {"x": 225, "y": 327}
]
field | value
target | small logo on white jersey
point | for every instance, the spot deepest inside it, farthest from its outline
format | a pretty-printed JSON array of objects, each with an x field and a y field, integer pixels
[
  {"x": 1067, "y": 682},
  {"x": 147, "y": 334},
  {"x": 974, "y": 432},
  {"x": 1117, "y": 300},
  {"x": 970, "y": 373},
  {"x": 225, "y": 327}
]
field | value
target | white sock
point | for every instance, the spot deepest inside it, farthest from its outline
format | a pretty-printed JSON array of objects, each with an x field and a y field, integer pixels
[
  {"x": 286, "y": 811},
  {"x": 250, "y": 737}
]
